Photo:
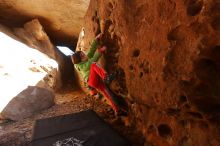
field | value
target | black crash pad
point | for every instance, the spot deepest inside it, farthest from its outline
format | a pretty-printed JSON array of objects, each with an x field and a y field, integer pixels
[{"x": 80, "y": 129}]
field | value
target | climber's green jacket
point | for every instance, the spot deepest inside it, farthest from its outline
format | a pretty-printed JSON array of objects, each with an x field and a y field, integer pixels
[{"x": 93, "y": 56}]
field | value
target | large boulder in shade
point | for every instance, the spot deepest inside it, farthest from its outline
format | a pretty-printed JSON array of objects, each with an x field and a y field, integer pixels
[{"x": 28, "y": 102}]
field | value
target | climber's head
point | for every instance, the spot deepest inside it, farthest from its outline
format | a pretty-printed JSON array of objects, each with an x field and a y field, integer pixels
[{"x": 79, "y": 56}]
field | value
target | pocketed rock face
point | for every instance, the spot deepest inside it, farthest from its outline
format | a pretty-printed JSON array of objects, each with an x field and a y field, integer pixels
[{"x": 167, "y": 54}]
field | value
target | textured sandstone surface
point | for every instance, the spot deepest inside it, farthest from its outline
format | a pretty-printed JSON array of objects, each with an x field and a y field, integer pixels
[{"x": 167, "y": 54}]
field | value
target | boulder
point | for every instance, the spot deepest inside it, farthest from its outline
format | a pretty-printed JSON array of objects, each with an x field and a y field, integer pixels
[
  {"x": 167, "y": 56},
  {"x": 62, "y": 19},
  {"x": 30, "y": 101}
]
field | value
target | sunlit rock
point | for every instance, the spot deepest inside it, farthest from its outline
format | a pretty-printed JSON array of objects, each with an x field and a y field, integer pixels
[
  {"x": 62, "y": 19},
  {"x": 22, "y": 66},
  {"x": 28, "y": 102}
]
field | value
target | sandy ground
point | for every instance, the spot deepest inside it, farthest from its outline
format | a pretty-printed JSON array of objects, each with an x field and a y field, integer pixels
[{"x": 67, "y": 101}]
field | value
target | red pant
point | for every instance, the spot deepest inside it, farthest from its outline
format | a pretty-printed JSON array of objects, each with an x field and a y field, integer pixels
[{"x": 96, "y": 77}]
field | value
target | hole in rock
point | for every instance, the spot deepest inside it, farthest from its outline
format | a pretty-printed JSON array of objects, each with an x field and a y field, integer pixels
[
  {"x": 96, "y": 13},
  {"x": 173, "y": 34},
  {"x": 131, "y": 67},
  {"x": 196, "y": 115},
  {"x": 141, "y": 74},
  {"x": 206, "y": 69},
  {"x": 216, "y": 23},
  {"x": 183, "y": 99},
  {"x": 187, "y": 106},
  {"x": 150, "y": 129},
  {"x": 164, "y": 130},
  {"x": 216, "y": 49},
  {"x": 141, "y": 65},
  {"x": 93, "y": 18},
  {"x": 65, "y": 50},
  {"x": 136, "y": 53},
  {"x": 110, "y": 5},
  {"x": 194, "y": 7},
  {"x": 108, "y": 23}
]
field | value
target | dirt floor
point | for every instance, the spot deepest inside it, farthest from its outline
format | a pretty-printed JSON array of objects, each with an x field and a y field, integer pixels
[{"x": 67, "y": 101}]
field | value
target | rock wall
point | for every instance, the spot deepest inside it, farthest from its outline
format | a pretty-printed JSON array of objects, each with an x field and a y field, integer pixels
[
  {"x": 91, "y": 27},
  {"x": 167, "y": 54},
  {"x": 61, "y": 19},
  {"x": 34, "y": 36}
]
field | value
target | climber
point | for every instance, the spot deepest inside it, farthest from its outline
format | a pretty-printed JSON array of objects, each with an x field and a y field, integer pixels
[{"x": 95, "y": 76}]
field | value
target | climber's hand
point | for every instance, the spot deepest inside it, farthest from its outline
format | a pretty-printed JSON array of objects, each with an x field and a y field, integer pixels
[
  {"x": 99, "y": 36},
  {"x": 102, "y": 49}
]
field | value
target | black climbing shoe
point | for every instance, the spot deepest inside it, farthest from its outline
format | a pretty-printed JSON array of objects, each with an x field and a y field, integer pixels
[{"x": 109, "y": 78}]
